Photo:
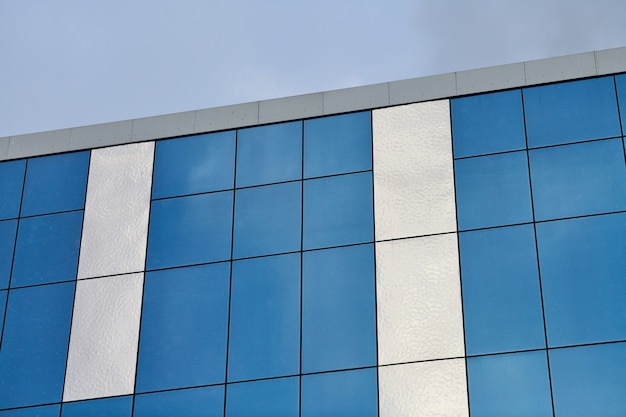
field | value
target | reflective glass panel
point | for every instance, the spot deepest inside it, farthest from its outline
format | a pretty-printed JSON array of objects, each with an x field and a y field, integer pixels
[
  {"x": 265, "y": 318},
  {"x": 274, "y": 397},
  {"x": 582, "y": 270},
  {"x": 488, "y": 123},
  {"x": 268, "y": 154},
  {"x": 55, "y": 183},
  {"x": 47, "y": 249},
  {"x": 7, "y": 243},
  {"x": 3, "y": 303},
  {"x": 184, "y": 327},
  {"x": 195, "y": 164},
  {"x": 338, "y": 211},
  {"x": 197, "y": 402},
  {"x": 512, "y": 385},
  {"x": 501, "y": 295},
  {"x": 620, "y": 81},
  {"x": 45, "y": 411},
  {"x": 346, "y": 394},
  {"x": 267, "y": 220},
  {"x": 36, "y": 337},
  {"x": 492, "y": 190},
  {"x": 571, "y": 112},
  {"x": 190, "y": 230},
  {"x": 11, "y": 181},
  {"x": 574, "y": 180},
  {"x": 107, "y": 407},
  {"x": 338, "y": 309},
  {"x": 337, "y": 144},
  {"x": 589, "y": 380}
]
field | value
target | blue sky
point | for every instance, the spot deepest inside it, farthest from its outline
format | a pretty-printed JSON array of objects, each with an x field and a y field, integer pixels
[{"x": 66, "y": 63}]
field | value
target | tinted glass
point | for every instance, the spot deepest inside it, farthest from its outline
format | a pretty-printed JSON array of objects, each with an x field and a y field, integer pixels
[
  {"x": 8, "y": 230},
  {"x": 338, "y": 144},
  {"x": 338, "y": 309},
  {"x": 509, "y": 385},
  {"x": 55, "y": 183},
  {"x": 265, "y": 318},
  {"x": 589, "y": 380},
  {"x": 11, "y": 181},
  {"x": 492, "y": 190},
  {"x": 267, "y": 220},
  {"x": 268, "y": 154},
  {"x": 571, "y": 112},
  {"x": 574, "y": 180},
  {"x": 501, "y": 295},
  {"x": 190, "y": 230},
  {"x": 46, "y": 411},
  {"x": 3, "y": 303},
  {"x": 197, "y": 402},
  {"x": 36, "y": 337},
  {"x": 194, "y": 164},
  {"x": 338, "y": 211},
  {"x": 184, "y": 327},
  {"x": 47, "y": 249},
  {"x": 346, "y": 394},
  {"x": 582, "y": 269},
  {"x": 275, "y": 397},
  {"x": 620, "y": 81},
  {"x": 488, "y": 123},
  {"x": 108, "y": 407}
]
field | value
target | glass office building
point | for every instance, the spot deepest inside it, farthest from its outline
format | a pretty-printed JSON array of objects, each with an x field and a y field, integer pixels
[{"x": 443, "y": 246}]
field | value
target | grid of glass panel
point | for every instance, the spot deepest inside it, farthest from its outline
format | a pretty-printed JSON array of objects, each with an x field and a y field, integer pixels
[
  {"x": 260, "y": 279},
  {"x": 542, "y": 226}
]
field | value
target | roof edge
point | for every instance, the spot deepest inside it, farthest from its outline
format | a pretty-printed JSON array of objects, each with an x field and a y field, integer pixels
[{"x": 450, "y": 85}]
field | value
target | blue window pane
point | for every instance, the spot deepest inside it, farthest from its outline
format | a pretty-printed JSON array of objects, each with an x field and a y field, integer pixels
[
  {"x": 194, "y": 164},
  {"x": 34, "y": 345},
  {"x": 338, "y": 144},
  {"x": 338, "y": 309},
  {"x": 11, "y": 181},
  {"x": 574, "y": 180},
  {"x": 47, "y": 249},
  {"x": 488, "y": 123},
  {"x": 7, "y": 243},
  {"x": 190, "y": 230},
  {"x": 108, "y": 407},
  {"x": 582, "y": 270},
  {"x": 274, "y": 397},
  {"x": 571, "y": 112},
  {"x": 46, "y": 411},
  {"x": 493, "y": 190},
  {"x": 3, "y": 304},
  {"x": 620, "y": 81},
  {"x": 501, "y": 295},
  {"x": 197, "y": 402},
  {"x": 55, "y": 183},
  {"x": 338, "y": 211},
  {"x": 268, "y": 154},
  {"x": 589, "y": 380},
  {"x": 267, "y": 220},
  {"x": 184, "y": 328},
  {"x": 346, "y": 394},
  {"x": 265, "y": 318},
  {"x": 514, "y": 385}
]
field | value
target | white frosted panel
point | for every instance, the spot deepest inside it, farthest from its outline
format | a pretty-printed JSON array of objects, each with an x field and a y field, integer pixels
[
  {"x": 116, "y": 211},
  {"x": 433, "y": 389},
  {"x": 105, "y": 333},
  {"x": 419, "y": 299},
  {"x": 413, "y": 176}
]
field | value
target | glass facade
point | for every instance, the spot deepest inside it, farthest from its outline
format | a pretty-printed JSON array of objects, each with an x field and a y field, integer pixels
[{"x": 455, "y": 257}]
